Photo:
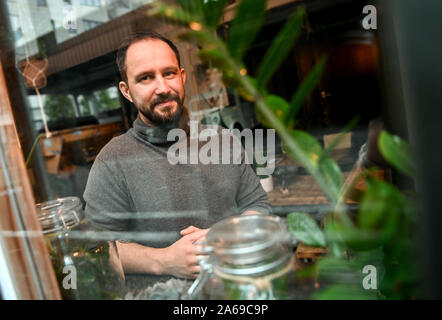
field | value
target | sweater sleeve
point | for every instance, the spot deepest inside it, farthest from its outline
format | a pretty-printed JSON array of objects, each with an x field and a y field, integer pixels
[
  {"x": 108, "y": 203},
  {"x": 251, "y": 195}
]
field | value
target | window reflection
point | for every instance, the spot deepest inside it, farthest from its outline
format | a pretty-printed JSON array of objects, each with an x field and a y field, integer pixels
[
  {"x": 68, "y": 65},
  {"x": 65, "y": 51},
  {"x": 66, "y": 19},
  {"x": 41, "y": 3},
  {"x": 91, "y": 3}
]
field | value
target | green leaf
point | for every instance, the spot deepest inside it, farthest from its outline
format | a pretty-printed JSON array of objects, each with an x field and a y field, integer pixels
[
  {"x": 339, "y": 269},
  {"x": 345, "y": 292},
  {"x": 244, "y": 93},
  {"x": 332, "y": 174},
  {"x": 381, "y": 201},
  {"x": 199, "y": 38},
  {"x": 344, "y": 277},
  {"x": 213, "y": 10},
  {"x": 381, "y": 207},
  {"x": 305, "y": 229},
  {"x": 279, "y": 48},
  {"x": 397, "y": 152},
  {"x": 194, "y": 7},
  {"x": 373, "y": 206},
  {"x": 246, "y": 25},
  {"x": 334, "y": 241},
  {"x": 171, "y": 12},
  {"x": 215, "y": 58},
  {"x": 86, "y": 272},
  {"x": 308, "y": 145},
  {"x": 305, "y": 89},
  {"x": 278, "y": 106},
  {"x": 341, "y": 237}
]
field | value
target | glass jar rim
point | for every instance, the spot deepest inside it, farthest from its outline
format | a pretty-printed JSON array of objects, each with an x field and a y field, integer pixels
[
  {"x": 255, "y": 270},
  {"x": 269, "y": 230},
  {"x": 60, "y": 214}
]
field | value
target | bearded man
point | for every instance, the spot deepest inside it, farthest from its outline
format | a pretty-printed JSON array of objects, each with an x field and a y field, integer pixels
[{"x": 132, "y": 187}]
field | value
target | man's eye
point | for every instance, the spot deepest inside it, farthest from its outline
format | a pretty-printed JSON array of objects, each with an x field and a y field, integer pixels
[
  {"x": 146, "y": 77},
  {"x": 169, "y": 74}
]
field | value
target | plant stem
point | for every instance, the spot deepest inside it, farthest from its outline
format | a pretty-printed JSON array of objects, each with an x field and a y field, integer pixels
[
  {"x": 337, "y": 200},
  {"x": 28, "y": 159},
  {"x": 293, "y": 146}
]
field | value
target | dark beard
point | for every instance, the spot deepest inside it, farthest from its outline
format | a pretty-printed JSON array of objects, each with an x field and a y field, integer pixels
[{"x": 165, "y": 118}]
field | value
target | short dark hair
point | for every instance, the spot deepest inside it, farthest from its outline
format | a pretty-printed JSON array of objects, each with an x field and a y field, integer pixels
[{"x": 139, "y": 36}]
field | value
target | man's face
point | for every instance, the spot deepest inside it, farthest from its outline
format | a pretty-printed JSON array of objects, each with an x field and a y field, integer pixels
[{"x": 155, "y": 81}]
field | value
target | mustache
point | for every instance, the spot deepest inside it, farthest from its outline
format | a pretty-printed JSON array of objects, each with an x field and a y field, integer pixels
[{"x": 164, "y": 98}]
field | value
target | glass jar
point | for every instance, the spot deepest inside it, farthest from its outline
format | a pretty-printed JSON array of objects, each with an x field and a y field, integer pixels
[
  {"x": 246, "y": 257},
  {"x": 86, "y": 267}
]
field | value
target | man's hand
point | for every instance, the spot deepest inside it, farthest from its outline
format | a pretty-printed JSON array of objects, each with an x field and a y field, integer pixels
[
  {"x": 191, "y": 229},
  {"x": 248, "y": 212},
  {"x": 181, "y": 258}
]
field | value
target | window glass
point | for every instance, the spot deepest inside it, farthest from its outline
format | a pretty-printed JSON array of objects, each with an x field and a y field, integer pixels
[
  {"x": 91, "y": 3},
  {"x": 68, "y": 105},
  {"x": 42, "y": 3},
  {"x": 90, "y": 24}
]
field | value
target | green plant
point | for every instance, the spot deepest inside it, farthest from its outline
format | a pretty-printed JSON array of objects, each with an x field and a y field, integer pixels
[
  {"x": 59, "y": 106},
  {"x": 381, "y": 235},
  {"x": 34, "y": 144},
  {"x": 85, "y": 106},
  {"x": 103, "y": 102},
  {"x": 96, "y": 279}
]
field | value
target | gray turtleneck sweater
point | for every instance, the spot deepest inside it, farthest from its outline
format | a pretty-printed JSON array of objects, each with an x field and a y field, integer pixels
[{"x": 133, "y": 188}]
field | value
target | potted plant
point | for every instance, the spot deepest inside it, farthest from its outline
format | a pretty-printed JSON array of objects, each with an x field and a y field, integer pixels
[{"x": 381, "y": 234}]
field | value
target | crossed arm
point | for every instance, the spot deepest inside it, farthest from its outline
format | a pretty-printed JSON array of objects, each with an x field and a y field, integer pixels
[
  {"x": 103, "y": 203},
  {"x": 179, "y": 259}
]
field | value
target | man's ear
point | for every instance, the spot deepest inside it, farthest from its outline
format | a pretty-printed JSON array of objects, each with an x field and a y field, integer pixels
[
  {"x": 124, "y": 88},
  {"x": 183, "y": 75}
]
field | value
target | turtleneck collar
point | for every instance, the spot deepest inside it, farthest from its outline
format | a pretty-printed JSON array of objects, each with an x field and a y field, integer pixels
[{"x": 158, "y": 135}]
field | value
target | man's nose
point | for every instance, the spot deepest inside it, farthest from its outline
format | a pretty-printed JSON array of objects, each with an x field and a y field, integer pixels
[{"x": 162, "y": 86}]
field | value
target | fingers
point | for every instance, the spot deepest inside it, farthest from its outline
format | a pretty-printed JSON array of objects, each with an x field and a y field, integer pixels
[
  {"x": 194, "y": 272},
  {"x": 193, "y": 268},
  {"x": 250, "y": 212},
  {"x": 202, "y": 258},
  {"x": 195, "y": 236},
  {"x": 185, "y": 257},
  {"x": 189, "y": 230}
]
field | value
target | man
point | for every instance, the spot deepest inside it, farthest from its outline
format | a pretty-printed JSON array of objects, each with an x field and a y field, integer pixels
[{"x": 132, "y": 186}]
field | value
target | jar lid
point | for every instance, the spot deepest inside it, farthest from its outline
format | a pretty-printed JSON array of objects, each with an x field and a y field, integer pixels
[
  {"x": 60, "y": 214},
  {"x": 246, "y": 234}
]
